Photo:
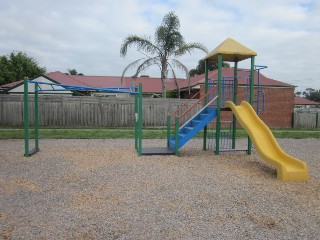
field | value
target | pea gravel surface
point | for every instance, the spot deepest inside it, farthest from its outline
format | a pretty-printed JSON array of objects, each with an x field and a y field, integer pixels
[{"x": 101, "y": 189}]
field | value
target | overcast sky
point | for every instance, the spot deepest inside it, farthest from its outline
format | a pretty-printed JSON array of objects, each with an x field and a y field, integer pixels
[{"x": 87, "y": 35}]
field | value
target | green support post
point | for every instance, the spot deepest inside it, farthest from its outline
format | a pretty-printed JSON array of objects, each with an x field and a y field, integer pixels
[
  {"x": 206, "y": 89},
  {"x": 36, "y": 117},
  {"x": 252, "y": 81},
  {"x": 251, "y": 99},
  {"x": 168, "y": 129},
  {"x": 136, "y": 133},
  {"x": 218, "y": 125},
  {"x": 27, "y": 152},
  {"x": 177, "y": 124},
  {"x": 235, "y": 101},
  {"x": 140, "y": 120},
  {"x": 26, "y": 117}
]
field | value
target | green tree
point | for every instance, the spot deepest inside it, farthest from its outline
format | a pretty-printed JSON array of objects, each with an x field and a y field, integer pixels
[
  {"x": 18, "y": 65},
  {"x": 168, "y": 46},
  {"x": 200, "y": 69},
  {"x": 312, "y": 94},
  {"x": 73, "y": 72}
]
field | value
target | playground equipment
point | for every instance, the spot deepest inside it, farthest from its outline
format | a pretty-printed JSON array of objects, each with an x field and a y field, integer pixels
[
  {"x": 217, "y": 92},
  {"x": 45, "y": 86},
  {"x": 221, "y": 95},
  {"x": 288, "y": 168}
]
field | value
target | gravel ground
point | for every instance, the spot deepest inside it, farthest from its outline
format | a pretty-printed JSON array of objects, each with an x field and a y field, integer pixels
[{"x": 101, "y": 189}]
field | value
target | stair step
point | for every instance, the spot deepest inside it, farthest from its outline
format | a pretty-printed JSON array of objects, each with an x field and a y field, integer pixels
[
  {"x": 181, "y": 135},
  {"x": 204, "y": 115},
  {"x": 187, "y": 129},
  {"x": 195, "y": 122},
  {"x": 195, "y": 125}
]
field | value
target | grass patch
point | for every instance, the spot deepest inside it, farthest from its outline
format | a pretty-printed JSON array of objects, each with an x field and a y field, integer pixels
[
  {"x": 81, "y": 133},
  {"x": 129, "y": 133}
]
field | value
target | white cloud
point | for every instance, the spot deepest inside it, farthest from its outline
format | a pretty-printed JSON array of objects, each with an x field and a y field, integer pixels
[{"x": 88, "y": 35}]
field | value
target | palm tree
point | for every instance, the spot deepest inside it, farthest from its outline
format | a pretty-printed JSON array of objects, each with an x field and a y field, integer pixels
[
  {"x": 169, "y": 43},
  {"x": 73, "y": 72}
]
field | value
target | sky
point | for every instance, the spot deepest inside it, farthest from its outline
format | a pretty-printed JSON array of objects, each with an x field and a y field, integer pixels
[{"x": 87, "y": 35}]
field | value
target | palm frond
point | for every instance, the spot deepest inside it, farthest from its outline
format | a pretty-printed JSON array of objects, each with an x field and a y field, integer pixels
[
  {"x": 182, "y": 67},
  {"x": 130, "y": 66},
  {"x": 175, "y": 79},
  {"x": 189, "y": 47},
  {"x": 177, "y": 64},
  {"x": 142, "y": 44},
  {"x": 147, "y": 63},
  {"x": 168, "y": 40}
]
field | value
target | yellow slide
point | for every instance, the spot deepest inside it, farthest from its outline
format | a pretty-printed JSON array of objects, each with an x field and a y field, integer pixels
[{"x": 288, "y": 168}]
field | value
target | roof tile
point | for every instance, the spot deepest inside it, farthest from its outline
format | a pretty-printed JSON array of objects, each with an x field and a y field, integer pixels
[
  {"x": 304, "y": 101},
  {"x": 150, "y": 84}
]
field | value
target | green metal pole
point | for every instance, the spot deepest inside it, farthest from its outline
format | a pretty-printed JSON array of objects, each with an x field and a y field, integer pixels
[
  {"x": 26, "y": 117},
  {"x": 235, "y": 100},
  {"x": 218, "y": 125},
  {"x": 252, "y": 81},
  {"x": 136, "y": 134},
  {"x": 206, "y": 83},
  {"x": 206, "y": 89},
  {"x": 251, "y": 99},
  {"x": 176, "y": 149},
  {"x": 168, "y": 129},
  {"x": 36, "y": 116},
  {"x": 140, "y": 120}
]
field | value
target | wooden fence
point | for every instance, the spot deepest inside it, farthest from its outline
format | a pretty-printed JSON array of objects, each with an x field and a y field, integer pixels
[
  {"x": 89, "y": 112},
  {"x": 306, "y": 118}
]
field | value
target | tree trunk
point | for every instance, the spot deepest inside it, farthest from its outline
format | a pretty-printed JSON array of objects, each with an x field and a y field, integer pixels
[{"x": 164, "y": 73}]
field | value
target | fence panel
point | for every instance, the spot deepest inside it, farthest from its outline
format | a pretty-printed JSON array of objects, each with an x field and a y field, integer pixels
[
  {"x": 91, "y": 112},
  {"x": 305, "y": 119}
]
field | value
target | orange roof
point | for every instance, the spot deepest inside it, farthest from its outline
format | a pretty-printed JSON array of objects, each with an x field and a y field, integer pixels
[
  {"x": 149, "y": 84},
  {"x": 228, "y": 72},
  {"x": 10, "y": 85},
  {"x": 304, "y": 101}
]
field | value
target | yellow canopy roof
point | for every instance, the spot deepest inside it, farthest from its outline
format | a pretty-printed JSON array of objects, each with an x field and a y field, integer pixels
[{"x": 231, "y": 51}]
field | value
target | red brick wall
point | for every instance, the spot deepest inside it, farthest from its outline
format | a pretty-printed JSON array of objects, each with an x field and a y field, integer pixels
[{"x": 279, "y": 104}]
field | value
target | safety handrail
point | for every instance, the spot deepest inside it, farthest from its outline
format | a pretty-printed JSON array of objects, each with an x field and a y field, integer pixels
[
  {"x": 183, "y": 105},
  {"x": 200, "y": 100},
  {"x": 209, "y": 103}
]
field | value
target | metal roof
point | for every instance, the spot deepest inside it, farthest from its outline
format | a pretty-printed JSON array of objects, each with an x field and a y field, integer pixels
[{"x": 231, "y": 51}]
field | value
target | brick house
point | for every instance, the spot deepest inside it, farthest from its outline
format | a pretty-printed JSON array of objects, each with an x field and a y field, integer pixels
[
  {"x": 279, "y": 96},
  {"x": 300, "y": 102}
]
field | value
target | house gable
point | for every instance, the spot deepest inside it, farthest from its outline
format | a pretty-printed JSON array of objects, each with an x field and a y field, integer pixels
[{"x": 18, "y": 88}]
